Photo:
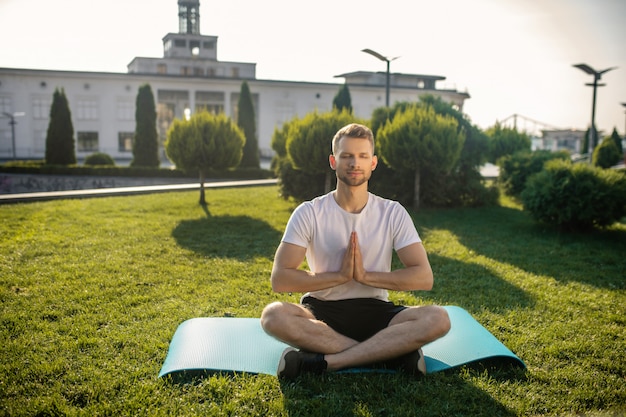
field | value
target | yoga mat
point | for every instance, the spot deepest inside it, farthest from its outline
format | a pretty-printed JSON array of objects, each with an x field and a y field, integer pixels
[{"x": 237, "y": 345}]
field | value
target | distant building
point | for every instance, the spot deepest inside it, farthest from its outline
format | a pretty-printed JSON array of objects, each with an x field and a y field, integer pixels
[
  {"x": 188, "y": 78},
  {"x": 566, "y": 139}
]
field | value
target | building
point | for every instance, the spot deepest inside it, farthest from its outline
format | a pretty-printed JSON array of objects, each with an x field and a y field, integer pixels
[
  {"x": 188, "y": 78},
  {"x": 563, "y": 139}
]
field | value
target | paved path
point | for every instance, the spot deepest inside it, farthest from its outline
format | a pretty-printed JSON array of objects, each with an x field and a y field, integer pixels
[{"x": 107, "y": 192}]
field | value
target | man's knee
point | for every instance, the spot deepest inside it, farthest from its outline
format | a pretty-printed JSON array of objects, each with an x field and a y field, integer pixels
[
  {"x": 440, "y": 320},
  {"x": 432, "y": 320},
  {"x": 271, "y": 315}
]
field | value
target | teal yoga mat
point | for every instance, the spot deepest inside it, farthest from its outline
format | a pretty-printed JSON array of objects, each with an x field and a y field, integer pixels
[{"x": 234, "y": 345}]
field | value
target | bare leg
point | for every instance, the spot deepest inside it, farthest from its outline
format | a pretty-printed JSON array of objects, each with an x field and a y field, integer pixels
[
  {"x": 296, "y": 326},
  {"x": 408, "y": 331}
]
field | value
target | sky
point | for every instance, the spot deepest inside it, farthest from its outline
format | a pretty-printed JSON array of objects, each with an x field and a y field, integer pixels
[{"x": 511, "y": 56}]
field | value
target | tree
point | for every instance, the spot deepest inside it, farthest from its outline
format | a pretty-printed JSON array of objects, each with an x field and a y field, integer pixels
[
  {"x": 60, "y": 146},
  {"x": 506, "y": 141},
  {"x": 420, "y": 140},
  {"x": 293, "y": 183},
  {"x": 343, "y": 100},
  {"x": 309, "y": 139},
  {"x": 246, "y": 121},
  {"x": 146, "y": 144},
  {"x": 204, "y": 142},
  {"x": 464, "y": 184},
  {"x": 618, "y": 141},
  {"x": 606, "y": 154}
]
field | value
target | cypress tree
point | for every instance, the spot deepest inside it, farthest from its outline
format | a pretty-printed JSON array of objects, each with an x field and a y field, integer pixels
[
  {"x": 60, "y": 148},
  {"x": 246, "y": 121},
  {"x": 618, "y": 141},
  {"x": 146, "y": 145},
  {"x": 343, "y": 100}
]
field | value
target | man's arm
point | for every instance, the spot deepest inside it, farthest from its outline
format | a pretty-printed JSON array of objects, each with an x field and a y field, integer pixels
[
  {"x": 286, "y": 277},
  {"x": 416, "y": 274}
]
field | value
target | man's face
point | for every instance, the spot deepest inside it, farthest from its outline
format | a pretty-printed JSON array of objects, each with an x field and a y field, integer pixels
[{"x": 353, "y": 161}]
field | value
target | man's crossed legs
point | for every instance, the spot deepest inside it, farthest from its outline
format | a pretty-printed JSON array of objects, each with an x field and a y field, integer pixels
[{"x": 324, "y": 348}]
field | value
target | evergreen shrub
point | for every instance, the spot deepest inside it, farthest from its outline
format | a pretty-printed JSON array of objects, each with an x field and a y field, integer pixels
[
  {"x": 99, "y": 158},
  {"x": 517, "y": 168},
  {"x": 575, "y": 197}
]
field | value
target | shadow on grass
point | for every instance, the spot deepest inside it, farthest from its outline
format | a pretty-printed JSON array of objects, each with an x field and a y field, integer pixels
[
  {"x": 473, "y": 286},
  {"x": 388, "y": 394},
  {"x": 511, "y": 236},
  {"x": 236, "y": 237}
]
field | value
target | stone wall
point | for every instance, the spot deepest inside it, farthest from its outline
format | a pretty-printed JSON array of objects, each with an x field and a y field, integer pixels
[{"x": 27, "y": 183}]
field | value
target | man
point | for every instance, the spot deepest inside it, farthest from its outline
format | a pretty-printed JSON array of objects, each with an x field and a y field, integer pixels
[{"x": 348, "y": 237}]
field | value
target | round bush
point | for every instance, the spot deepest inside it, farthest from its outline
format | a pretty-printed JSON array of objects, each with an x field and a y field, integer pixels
[
  {"x": 517, "y": 168},
  {"x": 99, "y": 158},
  {"x": 576, "y": 196}
]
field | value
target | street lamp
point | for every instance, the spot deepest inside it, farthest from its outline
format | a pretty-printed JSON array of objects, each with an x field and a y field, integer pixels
[
  {"x": 12, "y": 122},
  {"x": 624, "y": 104},
  {"x": 597, "y": 75},
  {"x": 387, "y": 60}
]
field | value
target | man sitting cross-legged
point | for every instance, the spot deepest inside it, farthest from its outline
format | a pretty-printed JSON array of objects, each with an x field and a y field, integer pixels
[{"x": 348, "y": 237}]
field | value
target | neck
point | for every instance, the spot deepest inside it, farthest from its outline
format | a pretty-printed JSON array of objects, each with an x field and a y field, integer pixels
[{"x": 351, "y": 199}]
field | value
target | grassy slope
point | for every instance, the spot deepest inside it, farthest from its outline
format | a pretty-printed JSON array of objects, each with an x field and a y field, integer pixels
[{"x": 92, "y": 290}]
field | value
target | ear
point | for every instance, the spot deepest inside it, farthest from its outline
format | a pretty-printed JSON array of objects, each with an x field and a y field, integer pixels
[
  {"x": 374, "y": 162},
  {"x": 332, "y": 161}
]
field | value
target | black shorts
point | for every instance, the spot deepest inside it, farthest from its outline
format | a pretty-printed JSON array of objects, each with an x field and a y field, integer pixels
[{"x": 357, "y": 318}]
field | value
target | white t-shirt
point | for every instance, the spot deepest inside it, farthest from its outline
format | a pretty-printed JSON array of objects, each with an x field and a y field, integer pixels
[{"x": 324, "y": 228}]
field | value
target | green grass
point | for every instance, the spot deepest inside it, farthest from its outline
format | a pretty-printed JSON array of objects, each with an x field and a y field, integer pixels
[{"x": 92, "y": 291}]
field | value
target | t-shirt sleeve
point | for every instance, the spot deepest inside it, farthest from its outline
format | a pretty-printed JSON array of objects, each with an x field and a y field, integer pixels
[
  {"x": 405, "y": 233},
  {"x": 299, "y": 227}
]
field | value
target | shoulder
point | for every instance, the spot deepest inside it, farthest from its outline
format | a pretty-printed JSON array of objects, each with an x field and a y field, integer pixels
[
  {"x": 314, "y": 206},
  {"x": 385, "y": 204}
]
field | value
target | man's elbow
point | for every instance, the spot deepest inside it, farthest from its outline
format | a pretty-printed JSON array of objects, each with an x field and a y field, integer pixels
[
  {"x": 277, "y": 285},
  {"x": 427, "y": 280}
]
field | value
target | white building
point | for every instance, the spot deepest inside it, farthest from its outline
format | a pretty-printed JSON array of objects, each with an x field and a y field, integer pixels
[
  {"x": 565, "y": 139},
  {"x": 188, "y": 77}
]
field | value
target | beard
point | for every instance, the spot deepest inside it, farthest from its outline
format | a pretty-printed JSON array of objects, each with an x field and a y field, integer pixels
[{"x": 353, "y": 181}]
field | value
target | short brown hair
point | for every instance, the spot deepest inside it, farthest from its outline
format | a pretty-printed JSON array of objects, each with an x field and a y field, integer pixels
[{"x": 353, "y": 130}]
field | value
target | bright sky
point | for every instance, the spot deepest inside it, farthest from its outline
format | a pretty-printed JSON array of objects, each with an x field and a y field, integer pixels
[{"x": 511, "y": 56}]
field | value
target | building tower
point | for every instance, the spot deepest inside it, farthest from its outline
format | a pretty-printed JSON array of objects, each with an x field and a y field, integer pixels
[{"x": 189, "y": 17}]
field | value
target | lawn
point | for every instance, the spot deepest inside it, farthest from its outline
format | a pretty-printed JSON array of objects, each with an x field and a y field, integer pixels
[{"x": 92, "y": 291}]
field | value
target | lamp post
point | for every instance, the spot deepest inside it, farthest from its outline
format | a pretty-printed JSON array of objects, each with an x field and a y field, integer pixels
[
  {"x": 387, "y": 60},
  {"x": 12, "y": 122},
  {"x": 624, "y": 104},
  {"x": 597, "y": 75}
]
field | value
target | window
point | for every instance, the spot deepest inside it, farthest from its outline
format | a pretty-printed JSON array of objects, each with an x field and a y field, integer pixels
[
  {"x": 161, "y": 69},
  {"x": 87, "y": 109},
  {"x": 125, "y": 110},
  {"x": 185, "y": 71},
  {"x": 180, "y": 43},
  {"x": 41, "y": 108},
  {"x": 211, "y": 101},
  {"x": 125, "y": 141},
  {"x": 235, "y": 72},
  {"x": 87, "y": 141},
  {"x": 208, "y": 45},
  {"x": 198, "y": 71}
]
